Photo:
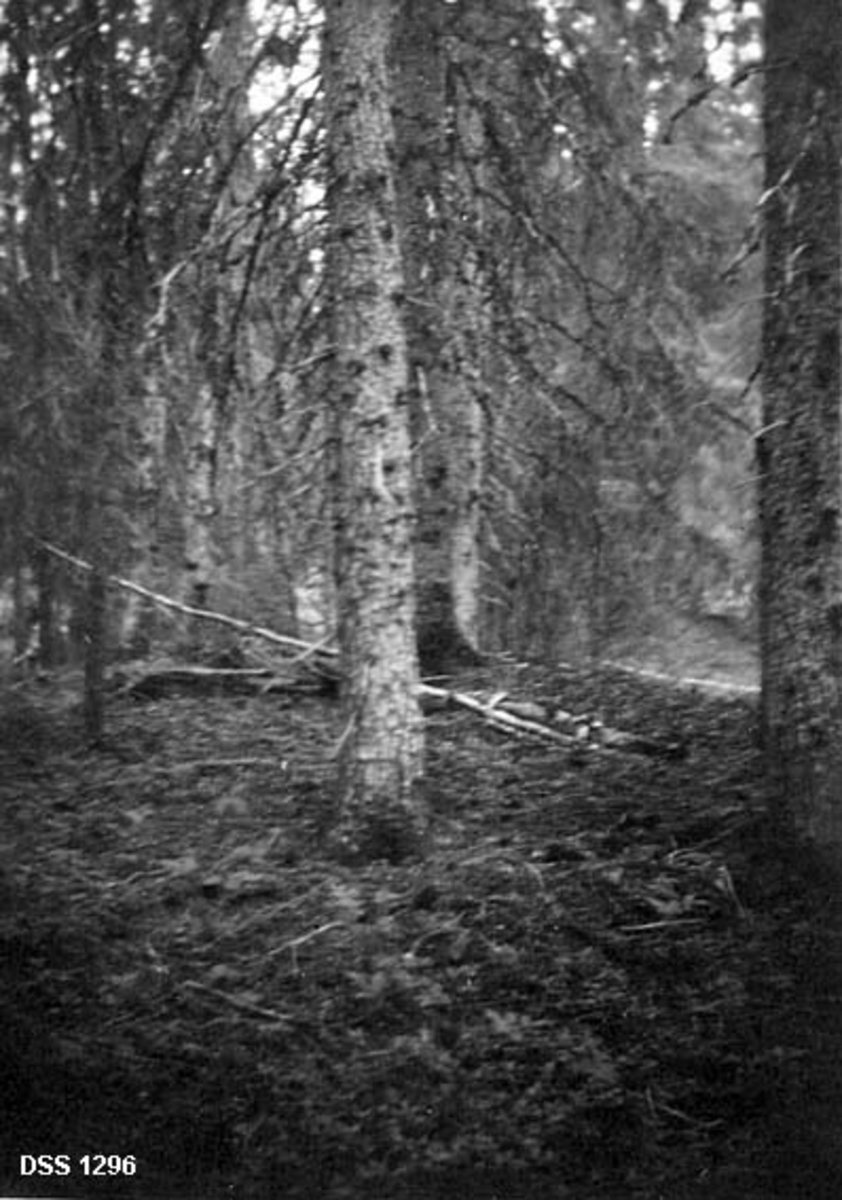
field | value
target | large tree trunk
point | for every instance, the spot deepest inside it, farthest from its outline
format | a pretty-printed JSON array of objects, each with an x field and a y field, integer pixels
[
  {"x": 380, "y": 754},
  {"x": 800, "y": 444},
  {"x": 439, "y": 212}
]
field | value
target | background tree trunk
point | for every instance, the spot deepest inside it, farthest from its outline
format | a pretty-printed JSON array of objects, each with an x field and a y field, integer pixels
[
  {"x": 96, "y": 613},
  {"x": 380, "y": 756},
  {"x": 800, "y": 443},
  {"x": 439, "y": 140}
]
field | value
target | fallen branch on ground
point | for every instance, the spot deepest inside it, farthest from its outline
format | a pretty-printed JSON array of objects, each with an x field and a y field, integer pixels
[
  {"x": 515, "y": 718},
  {"x": 577, "y": 731},
  {"x": 519, "y": 718}
]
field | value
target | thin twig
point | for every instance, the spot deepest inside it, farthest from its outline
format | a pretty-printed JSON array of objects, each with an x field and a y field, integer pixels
[{"x": 245, "y": 1006}]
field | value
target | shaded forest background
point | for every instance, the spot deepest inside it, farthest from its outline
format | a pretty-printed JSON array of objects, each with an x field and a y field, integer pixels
[{"x": 587, "y": 200}]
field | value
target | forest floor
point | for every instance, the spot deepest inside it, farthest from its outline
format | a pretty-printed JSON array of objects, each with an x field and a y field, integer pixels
[{"x": 598, "y": 986}]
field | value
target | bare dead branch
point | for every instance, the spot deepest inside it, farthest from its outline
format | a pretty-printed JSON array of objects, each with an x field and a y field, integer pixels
[{"x": 203, "y": 614}]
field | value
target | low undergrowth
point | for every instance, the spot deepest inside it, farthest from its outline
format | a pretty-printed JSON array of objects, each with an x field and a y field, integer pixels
[{"x": 586, "y": 990}]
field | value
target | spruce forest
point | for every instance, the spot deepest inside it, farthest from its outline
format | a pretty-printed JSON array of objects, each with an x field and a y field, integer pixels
[{"x": 421, "y": 599}]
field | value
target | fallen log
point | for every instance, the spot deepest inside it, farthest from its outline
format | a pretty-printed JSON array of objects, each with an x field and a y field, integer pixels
[
  {"x": 516, "y": 718},
  {"x": 583, "y": 732}
]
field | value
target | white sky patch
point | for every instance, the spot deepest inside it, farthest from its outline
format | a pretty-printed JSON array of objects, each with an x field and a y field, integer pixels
[{"x": 295, "y": 27}]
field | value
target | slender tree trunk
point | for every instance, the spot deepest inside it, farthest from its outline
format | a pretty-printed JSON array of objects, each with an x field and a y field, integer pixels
[
  {"x": 464, "y": 384},
  {"x": 437, "y": 202},
  {"x": 20, "y": 607},
  {"x": 202, "y": 507},
  {"x": 380, "y": 753},
  {"x": 95, "y": 655},
  {"x": 800, "y": 445},
  {"x": 45, "y": 608},
  {"x": 213, "y": 468}
]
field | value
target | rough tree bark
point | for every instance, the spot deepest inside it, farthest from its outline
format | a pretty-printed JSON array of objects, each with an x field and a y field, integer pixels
[
  {"x": 801, "y": 440},
  {"x": 439, "y": 140},
  {"x": 214, "y": 528},
  {"x": 380, "y": 753}
]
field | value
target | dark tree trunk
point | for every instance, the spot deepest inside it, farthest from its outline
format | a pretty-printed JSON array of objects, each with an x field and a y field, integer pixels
[
  {"x": 439, "y": 216},
  {"x": 800, "y": 444},
  {"x": 95, "y": 639},
  {"x": 45, "y": 609}
]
